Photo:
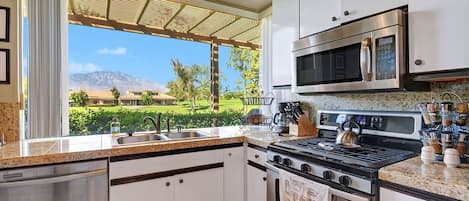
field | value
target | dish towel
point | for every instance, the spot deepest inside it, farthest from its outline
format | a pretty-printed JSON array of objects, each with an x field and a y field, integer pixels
[{"x": 296, "y": 188}]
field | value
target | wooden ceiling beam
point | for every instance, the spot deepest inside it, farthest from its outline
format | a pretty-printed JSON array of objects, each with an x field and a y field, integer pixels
[
  {"x": 108, "y": 8},
  {"x": 201, "y": 21},
  {"x": 174, "y": 16},
  {"x": 248, "y": 29},
  {"x": 143, "y": 11},
  {"x": 112, "y": 24},
  {"x": 232, "y": 22}
]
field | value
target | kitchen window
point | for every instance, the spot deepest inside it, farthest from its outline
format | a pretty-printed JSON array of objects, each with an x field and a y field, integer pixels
[{"x": 98, "y": 73}]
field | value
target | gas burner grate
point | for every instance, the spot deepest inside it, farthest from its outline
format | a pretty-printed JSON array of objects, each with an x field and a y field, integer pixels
[{"x": 368, "y": 156}]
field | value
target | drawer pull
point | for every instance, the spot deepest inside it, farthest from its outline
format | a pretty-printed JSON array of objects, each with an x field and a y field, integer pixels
[
  {"x": 181, "y": 181},
  {"x": 256, "y": 156},
  {"x": 168, "y": 184}
]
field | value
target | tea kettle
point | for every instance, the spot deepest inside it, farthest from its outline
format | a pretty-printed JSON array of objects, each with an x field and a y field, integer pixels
[{"x": 348, "y": 137}]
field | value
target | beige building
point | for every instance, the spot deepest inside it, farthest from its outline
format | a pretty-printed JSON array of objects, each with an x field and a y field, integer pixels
[{"x": 105, "y": 97}]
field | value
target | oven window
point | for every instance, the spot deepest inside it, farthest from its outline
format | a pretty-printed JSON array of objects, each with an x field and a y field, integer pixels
[{"x": 332, "y": 66}]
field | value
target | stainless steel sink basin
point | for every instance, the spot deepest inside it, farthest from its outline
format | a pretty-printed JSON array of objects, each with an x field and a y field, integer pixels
[
  {"x": 152, "y": 137},
  {"x": 140, "y": 138},
  {"x": 185, "y": 135}
]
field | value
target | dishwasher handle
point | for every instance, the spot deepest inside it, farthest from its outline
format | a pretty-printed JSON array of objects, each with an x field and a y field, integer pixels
[{"x": 55, "y": 179}]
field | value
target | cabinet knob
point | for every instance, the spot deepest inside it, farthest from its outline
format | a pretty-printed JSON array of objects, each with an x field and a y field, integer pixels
[
  {"x": 256, "y": 156},
  {"x": 230, "y": 154},
  {"x": 264, "y": 178},
  {"x": 418, "y": 62},
  {"x": 334, "y": 18},
  {"x": 181, "y": 181},
  {"x": 168, "y": 183},
  {"x": 346, "y": 13}
]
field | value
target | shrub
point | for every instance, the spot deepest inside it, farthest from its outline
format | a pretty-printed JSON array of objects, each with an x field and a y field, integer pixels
[{"x": 88, "y": 122}]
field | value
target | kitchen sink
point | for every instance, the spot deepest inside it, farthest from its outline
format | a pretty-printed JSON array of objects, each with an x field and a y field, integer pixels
[
  {"x": 185, "y": 135},
  {"x": 152, "y": 137},
  {"x": 140, "y": 138}
]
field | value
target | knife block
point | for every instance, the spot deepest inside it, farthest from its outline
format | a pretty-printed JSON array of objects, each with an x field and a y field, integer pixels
[{"x": 303, "y": 128}]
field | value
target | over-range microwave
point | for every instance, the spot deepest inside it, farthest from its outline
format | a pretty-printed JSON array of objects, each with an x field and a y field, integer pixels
[{"x": 369, "y": 54}]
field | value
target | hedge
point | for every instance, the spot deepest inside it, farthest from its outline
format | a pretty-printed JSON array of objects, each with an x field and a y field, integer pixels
[{"x": 89, "y": 122}]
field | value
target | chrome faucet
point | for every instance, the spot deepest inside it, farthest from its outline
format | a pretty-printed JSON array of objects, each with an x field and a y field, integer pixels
[{"x": 156, "y": 123}]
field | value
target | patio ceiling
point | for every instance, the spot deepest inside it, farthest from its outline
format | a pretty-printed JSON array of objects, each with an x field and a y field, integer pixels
[{"x": 175, "y": 19}]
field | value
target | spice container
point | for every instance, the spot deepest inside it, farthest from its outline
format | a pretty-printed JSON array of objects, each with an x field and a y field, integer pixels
[
  {"x": 447, "y": 106},
  {"x": 447, "y": 118},
  {"x": 462, "y": 108},
  {"x": 433, "y": 108}
]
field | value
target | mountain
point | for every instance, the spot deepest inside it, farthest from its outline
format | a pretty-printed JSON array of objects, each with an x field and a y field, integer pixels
[{"x": 105, "y": 80}]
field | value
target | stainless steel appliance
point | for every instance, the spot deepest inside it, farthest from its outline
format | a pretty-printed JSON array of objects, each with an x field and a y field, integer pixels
[
  {"x": 351, "y": 174},
  {"x": 370, "y": 54},
  {"x": 81, "y": 181}
]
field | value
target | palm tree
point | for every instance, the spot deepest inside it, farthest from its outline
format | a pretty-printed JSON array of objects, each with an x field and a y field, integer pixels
[{"x": 115, "y": 92}]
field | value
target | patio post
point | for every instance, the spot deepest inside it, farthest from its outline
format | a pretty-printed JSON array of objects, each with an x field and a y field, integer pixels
[{"x": 214, "y": 78}]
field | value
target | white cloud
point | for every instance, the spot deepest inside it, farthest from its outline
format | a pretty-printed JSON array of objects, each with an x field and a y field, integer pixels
[
  {"x": 115, "y": 51},
  {"x": 83, "y": 68}
]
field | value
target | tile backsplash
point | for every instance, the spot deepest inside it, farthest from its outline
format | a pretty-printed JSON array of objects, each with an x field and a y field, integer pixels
[{"x": 381, "y": 101}]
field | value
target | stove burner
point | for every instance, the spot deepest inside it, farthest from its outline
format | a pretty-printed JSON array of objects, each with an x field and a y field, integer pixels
[{"x": 368, "y": 156}]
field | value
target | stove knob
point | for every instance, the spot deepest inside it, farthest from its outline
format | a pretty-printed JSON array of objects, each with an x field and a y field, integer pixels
[
  {"x": 305, "y": 168},
  {"x": 329, "y": 175},
  {"x": 345, "y": 180},
  {"x": 286, "y": 162},
  {"x": 277, "y": 159}
]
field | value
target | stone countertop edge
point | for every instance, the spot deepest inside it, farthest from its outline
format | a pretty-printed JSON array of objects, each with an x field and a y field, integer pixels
[
  {"x": 434, "y": 178},
  {"x": 26, "y": 153}
]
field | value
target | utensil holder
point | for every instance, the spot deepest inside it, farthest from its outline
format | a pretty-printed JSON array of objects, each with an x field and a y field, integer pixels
[{"x": 303, "y": 128}]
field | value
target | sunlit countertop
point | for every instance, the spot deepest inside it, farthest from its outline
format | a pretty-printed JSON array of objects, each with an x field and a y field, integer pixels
[
  {"x": 77, "y": 148},
  {"x": 435, "y": 178}
]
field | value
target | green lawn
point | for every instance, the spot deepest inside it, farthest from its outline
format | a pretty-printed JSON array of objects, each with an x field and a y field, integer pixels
[{"x": 179, "y": 108}]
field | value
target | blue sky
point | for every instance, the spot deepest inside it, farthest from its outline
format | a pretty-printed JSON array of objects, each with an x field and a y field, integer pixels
[{"x": 95, "y": 49}]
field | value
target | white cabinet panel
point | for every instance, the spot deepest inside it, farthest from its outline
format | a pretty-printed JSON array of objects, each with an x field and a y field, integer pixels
[
  {"x": 206, "y": 185},
  {"x": 361, "y": 8},
  {"x": 149, "y": 190},
  {"x": 317, "y": 16},
  {"x": 233, "y": 171},
  {"x": 257, "y": 156},
  {"x": 438, "y": 35},
  {"x": 389, "y": 195},
  {"x": 285, "y": 27},
  {"x": 256, "y": 184}
]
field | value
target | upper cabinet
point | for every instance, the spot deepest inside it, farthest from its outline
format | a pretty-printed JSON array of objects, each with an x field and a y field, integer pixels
[
  {"x": 438, "y": 35},
  {"x": 285, "y": 22},
  {"x": 318, "y": 15},
  {"x": 355, "y": 9}
]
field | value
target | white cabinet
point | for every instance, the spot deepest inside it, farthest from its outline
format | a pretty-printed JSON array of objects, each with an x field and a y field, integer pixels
[
  {"x": 438, "y": 35},
  {"x": 256, "y": 184},
  {"x": 318, "y": 15},
  {"x": 355, "y": 9},
  {"x": 389, "y": 195},
  {"x": 234, "y": 170},
  {"x": 204, "y": 185},
  {"x": 285, "y": 22},
  {"x": 149, "y": 190}
]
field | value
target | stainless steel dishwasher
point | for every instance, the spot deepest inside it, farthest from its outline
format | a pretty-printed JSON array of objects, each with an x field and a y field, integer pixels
[{"x": 80, "y": 181}]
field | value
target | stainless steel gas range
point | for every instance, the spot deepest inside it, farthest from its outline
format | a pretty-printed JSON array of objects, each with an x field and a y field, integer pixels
[{"x": 319, "y": 169}]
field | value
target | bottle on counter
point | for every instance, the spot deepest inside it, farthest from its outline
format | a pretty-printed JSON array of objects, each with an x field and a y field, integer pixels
[{"x": 115, "y": 127}]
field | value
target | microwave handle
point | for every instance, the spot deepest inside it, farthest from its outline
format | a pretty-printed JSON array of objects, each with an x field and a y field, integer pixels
[{"x": 365, "y": 59}]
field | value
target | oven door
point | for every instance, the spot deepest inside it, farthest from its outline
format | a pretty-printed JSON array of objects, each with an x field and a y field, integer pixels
[
  {"x": 276, "y": 191},
  {"x": 372, "y": 60}
]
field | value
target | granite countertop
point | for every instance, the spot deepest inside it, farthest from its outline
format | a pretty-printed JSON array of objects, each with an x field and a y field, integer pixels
[
  {"x": 435, "y": 178},
  {"x": 67, "y": 149}
]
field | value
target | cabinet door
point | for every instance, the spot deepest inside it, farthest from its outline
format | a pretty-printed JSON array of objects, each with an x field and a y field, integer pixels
[
  {"x": 438, "y": 35},
  {"x": 318, "y": 15},
  {"x": 361, "y": 8},
  {"x": 256, "y": 184},
  {"x": 233, "y": 172},
  {"x": 206, "y": 185},
  {"x": 389, "y": 195},
  {"x": 285, "y": 27},
  {"x": 149, "y": 190}
]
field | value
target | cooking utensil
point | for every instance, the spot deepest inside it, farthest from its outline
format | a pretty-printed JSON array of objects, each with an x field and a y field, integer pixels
[{"x": 348, "y": 137}]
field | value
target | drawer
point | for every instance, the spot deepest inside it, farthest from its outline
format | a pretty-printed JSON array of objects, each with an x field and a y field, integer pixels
[{"x": 256, "y": 155}]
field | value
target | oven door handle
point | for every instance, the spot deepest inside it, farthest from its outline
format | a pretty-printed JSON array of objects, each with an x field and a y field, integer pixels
[
  {"x": 346, "y": 196},
  {"x": 365, "y": 59}
]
